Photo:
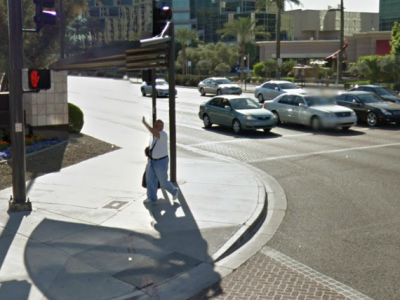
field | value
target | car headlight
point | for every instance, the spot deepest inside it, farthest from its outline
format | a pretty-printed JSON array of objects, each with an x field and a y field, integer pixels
[
  {"x": 274, "y": 116},
  {"x": 329, "y": 115},
  {"x": 385, "y": 112},
  {"x": 249, "y": 118},
  {"x": 353, "y": 113}
]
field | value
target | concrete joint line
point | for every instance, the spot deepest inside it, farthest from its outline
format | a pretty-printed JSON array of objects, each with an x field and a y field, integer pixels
[{"x": 314, "y": 275}]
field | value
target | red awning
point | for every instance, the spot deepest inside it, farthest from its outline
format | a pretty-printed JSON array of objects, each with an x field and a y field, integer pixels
[{"x": 336, "y": 53}]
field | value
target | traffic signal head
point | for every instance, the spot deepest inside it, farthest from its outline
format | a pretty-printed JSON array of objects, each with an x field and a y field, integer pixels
[
  {"x": 161, "y": 15},
  {"x": 43, "y": 16}
]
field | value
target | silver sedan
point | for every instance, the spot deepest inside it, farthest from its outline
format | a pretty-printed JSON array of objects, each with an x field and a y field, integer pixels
[
  {"x": 273, "y": 88},
  {"x": 162, "y": 88},
  {"x": 311, "y": 110},
  {"x": 218, "y": 86}
]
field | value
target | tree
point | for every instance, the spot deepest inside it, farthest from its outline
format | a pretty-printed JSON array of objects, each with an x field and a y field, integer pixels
[
  {"x": 280, "y": 4},
  {"x": 79, "y": 37},
  {"x": 245, "y": 30},
  {"x": 40, "y": 48},
  {"x": 185, "y": 37},
  {"x": 206, "y": 58},
  {"x": 395, "y": 41},
  {"x": 389, "y": 67}
]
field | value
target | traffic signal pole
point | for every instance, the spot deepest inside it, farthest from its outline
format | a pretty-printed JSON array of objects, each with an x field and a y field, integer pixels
[
  {"x": 17, "y": 129},
  {"x": 172, "y": 96}
]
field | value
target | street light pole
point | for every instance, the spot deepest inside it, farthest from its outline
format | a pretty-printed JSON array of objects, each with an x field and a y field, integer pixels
[
  {"x": 172, "y": 113},
  {"x": 17, "y": 122}
]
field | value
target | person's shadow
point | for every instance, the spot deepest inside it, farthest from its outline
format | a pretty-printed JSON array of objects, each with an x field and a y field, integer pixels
[{"x": 67, "y": 260}]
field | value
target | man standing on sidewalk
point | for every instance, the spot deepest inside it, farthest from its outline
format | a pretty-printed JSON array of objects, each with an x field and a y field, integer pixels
[{"x": 157, "y": 166}]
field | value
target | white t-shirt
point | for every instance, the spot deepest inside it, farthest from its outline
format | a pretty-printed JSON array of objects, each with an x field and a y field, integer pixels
[{"x": 161, "y": 147}]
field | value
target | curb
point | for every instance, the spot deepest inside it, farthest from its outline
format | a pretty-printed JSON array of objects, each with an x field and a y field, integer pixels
[
  {"x": 259, "y": 214},
  {"x": 248, "y": 240}
]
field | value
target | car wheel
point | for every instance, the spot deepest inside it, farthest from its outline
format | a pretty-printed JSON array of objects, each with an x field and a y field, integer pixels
[
  {"x": 346, "y": 127},
  {"x": 219, "y": 92},
  {"x": 236, "y": 126},
  {"x": 266, "y": 130},
  {"x": 206, "y": 121},
  {"x": 372, "y": 119},
  {"x": 277, "y": 117},
  {"x": 143, "y": 93},
  {"x": 316, "y": 123},
  {"x": 261, "y": 98},
  {"x": 202, "y": 92}
]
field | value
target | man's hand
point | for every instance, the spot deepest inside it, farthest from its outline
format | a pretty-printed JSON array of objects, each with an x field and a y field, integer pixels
[{"x": 144, "y": 121}]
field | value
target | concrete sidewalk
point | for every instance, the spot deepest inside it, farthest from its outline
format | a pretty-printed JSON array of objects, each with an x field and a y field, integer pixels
[{"x": 90, "y": 236}]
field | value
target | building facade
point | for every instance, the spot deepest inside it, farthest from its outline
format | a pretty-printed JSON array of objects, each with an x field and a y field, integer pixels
[
  {"x": 325, "y": 24},
  {"x": 119, "y": 20},
  {"x": 389, "y": 13},
  {"x": 211, "y": 15},
  {"x": 359, "y": 44}
]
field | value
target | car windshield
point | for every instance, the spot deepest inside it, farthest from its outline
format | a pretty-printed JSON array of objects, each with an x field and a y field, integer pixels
[
  {"x": 161, "y": 82},
  {"x": 370, "y": 98},
  {"x": 385, "y": 92},
  {"x": 315, "y": 100},
  {"x": 288, "y": 86},
  {"x": 223, "y": 81},
  {"x": 244, "y": 103}
]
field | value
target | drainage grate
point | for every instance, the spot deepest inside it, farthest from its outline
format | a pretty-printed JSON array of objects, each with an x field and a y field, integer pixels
[
  {"x": 115, "y": 204},
  {"x": 155, "y": 271}
]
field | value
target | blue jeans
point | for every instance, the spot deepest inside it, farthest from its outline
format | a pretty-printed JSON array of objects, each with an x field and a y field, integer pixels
[{"x": 157, "y": 171}]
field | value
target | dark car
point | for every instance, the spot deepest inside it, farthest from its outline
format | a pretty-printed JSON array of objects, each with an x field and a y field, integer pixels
[
  {"x": 386, "y": 93},
  {"x": 370, "y": 108}
]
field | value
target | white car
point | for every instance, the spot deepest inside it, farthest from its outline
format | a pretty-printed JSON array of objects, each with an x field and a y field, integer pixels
[
  {"x": 311, "y": 110},
  {"x": 273, "y": 88},
  {"x": 162, "y": 88}
]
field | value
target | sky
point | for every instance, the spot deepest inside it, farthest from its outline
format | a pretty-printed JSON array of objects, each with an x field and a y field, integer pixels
[{"x": 350, "y": 5}]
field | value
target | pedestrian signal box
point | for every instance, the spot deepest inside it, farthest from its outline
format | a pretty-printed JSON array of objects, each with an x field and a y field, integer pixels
[{"x": 39, "y": 79}]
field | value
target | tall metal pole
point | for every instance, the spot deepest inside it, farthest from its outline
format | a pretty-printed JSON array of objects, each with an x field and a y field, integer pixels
[
  {"x": 154, "y": 95},
  {"x": 172, "y": 115},
  {"x": 340, "y": 55},
  {"x": 62, "y": 29},
  {"x": 16, "y": 61}
]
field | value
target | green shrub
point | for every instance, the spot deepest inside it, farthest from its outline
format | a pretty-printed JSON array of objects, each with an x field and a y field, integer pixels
[{"x": 75, "y": 118}]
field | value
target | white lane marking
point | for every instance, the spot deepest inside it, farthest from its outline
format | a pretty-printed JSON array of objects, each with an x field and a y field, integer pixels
[
  {"x": 322, "y": 152},
  {"x": 246, "y": 140}
]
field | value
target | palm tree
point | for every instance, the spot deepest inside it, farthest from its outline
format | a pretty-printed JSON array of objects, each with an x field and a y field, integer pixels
[
  {"x": 245, "y": 30},
  {"x": 79, "y": 35},
  {"x": 280, "y": 4},
  {"x": 185, "y": 37}
]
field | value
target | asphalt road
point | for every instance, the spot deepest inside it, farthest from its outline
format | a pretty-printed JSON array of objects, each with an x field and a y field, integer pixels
[{"x": 343, "y": 217}]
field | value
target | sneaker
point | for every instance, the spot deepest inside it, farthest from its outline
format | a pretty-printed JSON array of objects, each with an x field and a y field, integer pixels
[
  {"x": 148, "y": 201},
  {"x": 174, "y": 197}
]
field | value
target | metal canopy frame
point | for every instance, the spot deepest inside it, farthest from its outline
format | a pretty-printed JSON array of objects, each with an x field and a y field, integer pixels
[{"x": 153, "y": 53}]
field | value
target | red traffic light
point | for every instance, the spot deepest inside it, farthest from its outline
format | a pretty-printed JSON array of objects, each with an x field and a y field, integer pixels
[{"x": 39, "y": 79}]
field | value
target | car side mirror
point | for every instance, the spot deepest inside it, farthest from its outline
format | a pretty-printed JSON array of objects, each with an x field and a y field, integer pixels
[
  {"x": 356, "y": 102},
  {"x": 276, "y": 88},
  {"x": 228, "y": 107},
  {"x": 302, "y": 105}
]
